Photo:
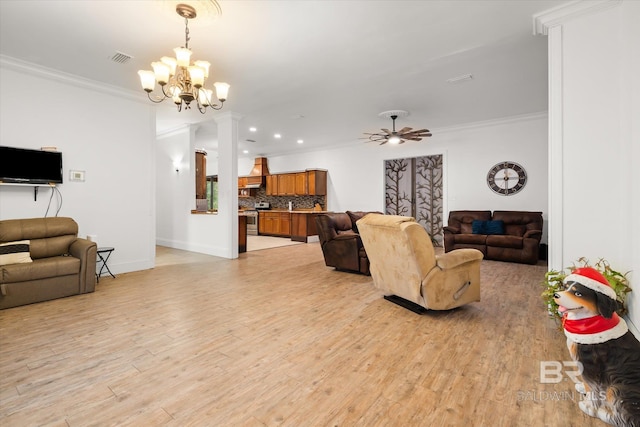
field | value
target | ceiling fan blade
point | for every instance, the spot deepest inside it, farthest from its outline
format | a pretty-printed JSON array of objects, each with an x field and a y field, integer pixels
[
  {"x": 413, "y": 138},
  {"x": 384, "y": 142},
  {"x": 404, "y": 129},
  {"x": 418, "y": 133},
  {"x": 387, "y": 131}
]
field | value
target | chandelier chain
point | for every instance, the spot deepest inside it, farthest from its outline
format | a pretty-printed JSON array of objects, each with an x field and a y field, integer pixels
[{"x": 186, "y": 33}]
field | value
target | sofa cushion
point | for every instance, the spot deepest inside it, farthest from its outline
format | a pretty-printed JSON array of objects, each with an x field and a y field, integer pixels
[
  {"x": 43, "y": 268},
  {"x": 487, "y": 227},
  {"x": 472, "y": 239},
  {"x": 15, "y": 252},
  {"x": 505, "y": 241}
]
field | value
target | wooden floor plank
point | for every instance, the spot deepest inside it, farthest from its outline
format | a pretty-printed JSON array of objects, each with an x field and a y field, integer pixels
[{"x": 277, "y": 338}]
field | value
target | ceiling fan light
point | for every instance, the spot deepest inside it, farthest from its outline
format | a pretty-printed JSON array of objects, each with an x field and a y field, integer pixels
[{"x": 394, "y": 139}]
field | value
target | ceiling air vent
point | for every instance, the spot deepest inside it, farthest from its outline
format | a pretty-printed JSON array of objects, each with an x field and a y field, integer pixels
[{"x": 121, "y": 58}]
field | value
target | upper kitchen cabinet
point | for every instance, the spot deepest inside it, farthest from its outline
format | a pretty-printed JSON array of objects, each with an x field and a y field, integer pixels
[
  {"x": 286, "y": 184},
  {"x": 312, "y": 182},
  {"x": 316, "y": 182}
]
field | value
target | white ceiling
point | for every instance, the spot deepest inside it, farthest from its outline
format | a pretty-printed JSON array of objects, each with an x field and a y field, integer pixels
[{"x": 316, "y": 70}]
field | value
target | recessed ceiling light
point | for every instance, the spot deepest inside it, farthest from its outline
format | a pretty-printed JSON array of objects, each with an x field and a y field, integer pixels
[
  {"x": 300, "y": 141},
  {"x": 245, "y": 151},
  {"x": 252, "y": 129},
  {"x": 277, "y": 135}
]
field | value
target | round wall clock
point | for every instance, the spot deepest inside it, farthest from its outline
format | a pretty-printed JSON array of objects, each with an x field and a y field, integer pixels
[{"x": 507, "y": 178}]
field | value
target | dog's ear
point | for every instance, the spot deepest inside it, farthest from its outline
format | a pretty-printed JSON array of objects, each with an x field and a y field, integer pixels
[{"x": 606, "y": 306}]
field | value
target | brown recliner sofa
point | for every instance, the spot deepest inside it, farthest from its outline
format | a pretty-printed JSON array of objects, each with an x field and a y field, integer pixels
[
  {"x": 512, "y": 236},
  {"x": 61, "y": 263},
  {"x": 340, "y": 242}
]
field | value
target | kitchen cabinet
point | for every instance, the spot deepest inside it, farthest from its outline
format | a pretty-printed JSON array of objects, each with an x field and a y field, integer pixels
[
  {"x": 272, "y": 185},
  {"x": 301, "y": 184},
  {"x": 274, "y": 223},
  {"x": 312, "y": 182},
  {"x": 286, "y": 184},
  {"x": 316, "y": 182}
]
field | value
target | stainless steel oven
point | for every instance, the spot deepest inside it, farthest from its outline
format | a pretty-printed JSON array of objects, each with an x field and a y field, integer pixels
[{"x": 252, "y": 222}]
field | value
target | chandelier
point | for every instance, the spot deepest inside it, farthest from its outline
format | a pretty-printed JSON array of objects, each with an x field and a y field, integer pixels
[{"x": 180, "y": 80}]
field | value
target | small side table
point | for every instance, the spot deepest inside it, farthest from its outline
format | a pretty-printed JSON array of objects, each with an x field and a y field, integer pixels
[{"x": 103, "y": 256}]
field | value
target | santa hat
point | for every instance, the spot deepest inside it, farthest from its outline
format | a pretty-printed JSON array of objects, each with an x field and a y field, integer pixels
[
  {"x": 596, "y": 329},
  {"x": 592, "y": 279}
]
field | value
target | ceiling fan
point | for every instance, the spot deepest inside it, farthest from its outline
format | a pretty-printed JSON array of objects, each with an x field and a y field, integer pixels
[{"x": 393, "y": 136}]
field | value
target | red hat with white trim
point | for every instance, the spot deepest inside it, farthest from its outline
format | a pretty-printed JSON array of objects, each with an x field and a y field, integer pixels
[{"x": 592, "y": 279}]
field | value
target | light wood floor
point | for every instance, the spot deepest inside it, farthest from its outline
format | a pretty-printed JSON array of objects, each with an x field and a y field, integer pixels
[{"x": 277, "y": 338}]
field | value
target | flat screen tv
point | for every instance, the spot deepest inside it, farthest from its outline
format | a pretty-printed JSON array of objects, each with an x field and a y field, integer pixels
[{"x": 24, "y": 166}]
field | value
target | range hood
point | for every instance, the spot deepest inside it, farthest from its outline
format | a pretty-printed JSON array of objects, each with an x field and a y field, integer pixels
[{"x": 256, "y": 178}]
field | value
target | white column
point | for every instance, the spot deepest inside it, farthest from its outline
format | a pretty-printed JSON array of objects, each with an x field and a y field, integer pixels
[{"x": 227, "y": 123}]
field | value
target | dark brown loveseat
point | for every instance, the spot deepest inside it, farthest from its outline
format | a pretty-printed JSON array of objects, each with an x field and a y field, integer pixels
[
  {"x": 340, "y": 242},
  {"x": 44, "y": 259},
  {"x": 512, "y": 236}
]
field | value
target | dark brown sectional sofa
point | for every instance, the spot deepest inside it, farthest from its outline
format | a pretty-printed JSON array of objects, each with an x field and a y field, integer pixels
[{"x": 512, "y": 236}]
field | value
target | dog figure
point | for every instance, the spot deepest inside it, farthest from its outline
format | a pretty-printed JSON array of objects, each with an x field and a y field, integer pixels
[{"x": 600, "y": 340}]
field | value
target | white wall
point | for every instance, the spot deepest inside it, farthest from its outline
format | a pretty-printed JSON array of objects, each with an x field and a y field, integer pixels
[
  {"x": 177, "y": 227},
  {"x": 356, "y": 172},
  {"x": 595, "y": 116},
  {"x": 108, "y": 136}
]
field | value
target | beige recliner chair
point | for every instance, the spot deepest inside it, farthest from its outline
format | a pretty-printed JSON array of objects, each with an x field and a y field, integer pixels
[{"x": 404, "y": 265}]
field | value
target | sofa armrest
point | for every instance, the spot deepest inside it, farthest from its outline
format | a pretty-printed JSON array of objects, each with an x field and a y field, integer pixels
[
  {"x": 533, "y": 234},
  {"x": 86, "y": 252},
  {"x": 452, "y": 230},
  {"x": 457, "y": 257}
]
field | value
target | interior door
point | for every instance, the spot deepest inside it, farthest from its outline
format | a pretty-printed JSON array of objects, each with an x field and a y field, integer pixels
[{"x": 413, "y": 187}]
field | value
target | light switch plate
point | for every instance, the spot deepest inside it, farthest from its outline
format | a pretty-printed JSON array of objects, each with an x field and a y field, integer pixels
[{"x": 76, "y": 175}]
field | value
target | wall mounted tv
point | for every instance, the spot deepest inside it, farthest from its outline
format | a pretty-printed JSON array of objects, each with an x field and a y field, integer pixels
[{"x": 24, "y": 166}]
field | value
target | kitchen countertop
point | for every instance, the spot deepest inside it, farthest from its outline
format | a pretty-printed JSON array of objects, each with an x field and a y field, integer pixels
[{"x": 306, "y": 211}]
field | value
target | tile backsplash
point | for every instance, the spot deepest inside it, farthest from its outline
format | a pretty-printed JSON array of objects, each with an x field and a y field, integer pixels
[{"x": 282, "y": 202}]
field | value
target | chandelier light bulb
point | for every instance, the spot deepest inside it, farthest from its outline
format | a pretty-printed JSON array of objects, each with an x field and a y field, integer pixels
[
  {"x": 161, "y": 72},
  {"x": 204, "y": 95},
  {"x": 222, "y": 90},
  {"x": 171, "y": 63},
  {"x": 147, "y": 79},
  {"x": 205, "y": 66},
  {"x": 183, "y": 56},
  {"x": 197, "y": 76}
]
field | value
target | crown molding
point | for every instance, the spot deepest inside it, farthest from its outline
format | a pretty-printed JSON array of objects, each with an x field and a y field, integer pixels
[
  {"x": 178, "y": 130},
  {"x": 21, "y": 66},
  {"x": 560, "y": 14}
]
